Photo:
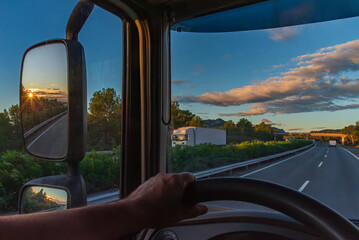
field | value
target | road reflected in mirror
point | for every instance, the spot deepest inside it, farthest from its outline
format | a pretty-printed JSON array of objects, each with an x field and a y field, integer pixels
[
  {"x": 44, "y": 101},
  {"x": 43, "y": 199}
]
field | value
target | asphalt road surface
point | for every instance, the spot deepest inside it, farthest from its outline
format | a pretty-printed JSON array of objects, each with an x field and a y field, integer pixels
[
  {"x": 329, "y": 174},
  {"x": 51, "y": 141}
]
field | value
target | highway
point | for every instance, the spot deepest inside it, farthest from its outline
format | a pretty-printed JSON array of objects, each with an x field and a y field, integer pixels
[
  {"x": 51, "y": 141},
  {"x": 329, "y": 174}
]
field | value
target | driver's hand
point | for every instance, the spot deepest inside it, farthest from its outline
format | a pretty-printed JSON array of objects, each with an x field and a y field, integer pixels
[{"x": 161, "y": 199}]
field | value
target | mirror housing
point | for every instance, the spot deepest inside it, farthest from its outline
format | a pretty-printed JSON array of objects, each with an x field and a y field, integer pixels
[
  {"x": 72, "y": 186},
  {"x": 77, "y": 102}
]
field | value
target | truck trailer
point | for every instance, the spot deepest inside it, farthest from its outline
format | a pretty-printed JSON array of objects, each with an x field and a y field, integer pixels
[{"x": 192, "y": 136}]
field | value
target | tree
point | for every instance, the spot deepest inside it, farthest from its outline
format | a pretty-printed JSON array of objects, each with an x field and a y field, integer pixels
[
  {"x": 195, "y": 122},
  {"x": 104, "y": 120},
  {"x": 351, "y": 131},
  {"x": 179, "y": 117},
  {"x": 105, "y": 105},
  {"x": 245, "y": 126},
  {"x": 229, "y": 124},
  {"x": 264, "y": 131}
]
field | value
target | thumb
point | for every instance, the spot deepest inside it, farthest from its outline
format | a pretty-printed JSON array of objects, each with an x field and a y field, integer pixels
[{"x": 196, "y": 210}]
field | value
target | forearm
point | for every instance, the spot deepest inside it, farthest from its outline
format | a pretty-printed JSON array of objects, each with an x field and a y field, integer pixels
[{"x": 108, "y": 221}]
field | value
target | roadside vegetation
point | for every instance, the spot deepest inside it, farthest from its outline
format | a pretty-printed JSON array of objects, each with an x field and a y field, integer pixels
[
  {"x": 206, "y": 156},
  {"x": 245, "y": 141},
  {"x": 101, "y": 171}
]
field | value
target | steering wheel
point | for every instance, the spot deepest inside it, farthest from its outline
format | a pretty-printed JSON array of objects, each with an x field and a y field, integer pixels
[{"x": 328, "y": 223}]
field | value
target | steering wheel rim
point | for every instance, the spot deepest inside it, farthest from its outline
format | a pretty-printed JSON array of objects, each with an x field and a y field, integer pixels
[{"x": 323, "y": 219}]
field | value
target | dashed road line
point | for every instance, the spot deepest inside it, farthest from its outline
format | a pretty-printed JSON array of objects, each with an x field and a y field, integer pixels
[
  {"x": 320, "y": 164},
  {"x": 303, "y": 186},
  {"x": 325, "y": 155}
]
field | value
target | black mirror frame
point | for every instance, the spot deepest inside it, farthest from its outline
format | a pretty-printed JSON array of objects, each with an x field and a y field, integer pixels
[
  {"x": 28, "y": 185},
  {"x": 77, "y": 100},
  {"x": 73, "y": 185}
]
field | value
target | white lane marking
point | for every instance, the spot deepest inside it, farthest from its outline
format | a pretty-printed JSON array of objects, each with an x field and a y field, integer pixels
[
  {"x": 320, "y": 164},
  {"x": 28, "y": 146},
  {"x": 325, "y": 155},
  {"x": 303, "y": 186},
  {"x": 245, "y": 175},
  {"x": 350, "y": 153}
]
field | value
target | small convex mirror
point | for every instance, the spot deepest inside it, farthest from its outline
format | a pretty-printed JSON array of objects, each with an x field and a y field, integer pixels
[
  {"x": 43, "y": 199},
  {"x": 44, "y": 100}
]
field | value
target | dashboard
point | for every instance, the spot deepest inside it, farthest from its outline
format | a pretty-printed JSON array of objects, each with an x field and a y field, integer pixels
[{"x": 234, "y": 225}]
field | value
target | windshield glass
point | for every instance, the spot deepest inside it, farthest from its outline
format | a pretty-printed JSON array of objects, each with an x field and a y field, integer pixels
[
  {"x": 269, "y": 92},
  {"x": 180, "y": 137}
]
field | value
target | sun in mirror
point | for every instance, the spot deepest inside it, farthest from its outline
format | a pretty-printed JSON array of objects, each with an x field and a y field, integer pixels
[
  {"x": 44, "y": 100},
  {"x": 43, "y": 199}
]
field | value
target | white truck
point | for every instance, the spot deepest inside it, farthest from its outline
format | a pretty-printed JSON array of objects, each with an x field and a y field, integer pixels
[
  {"x": 192, "y": 136},
  {"x": 332, "y": 143}
]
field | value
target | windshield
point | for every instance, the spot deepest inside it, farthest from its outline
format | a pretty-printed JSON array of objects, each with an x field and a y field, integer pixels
[
  {"x": 180, "y": 137},
  {"x": 287, "y": 90}
]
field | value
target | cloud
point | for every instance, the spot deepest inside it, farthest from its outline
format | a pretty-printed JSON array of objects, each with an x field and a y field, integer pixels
[
  {"x": 187, "y": 98},
  {"x": 314, "y": 85},
  {"x": 199, "y": 70},
  {"x": 283, "y": 34},
  {"x": 50, "y": 93},
  {"x": 190, "y": 86},
  {"x": 279, "y": 66},
  {"x": 270, "y": 122},
  {"x": 319, "y": 127},
  {"x": 295, "y": 129},
  {"x": 203, "y": 113},
  {"x": 180, "y": 81}
]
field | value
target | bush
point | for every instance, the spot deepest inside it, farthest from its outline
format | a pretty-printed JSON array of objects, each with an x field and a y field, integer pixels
[{"x": 206, "y": 156}]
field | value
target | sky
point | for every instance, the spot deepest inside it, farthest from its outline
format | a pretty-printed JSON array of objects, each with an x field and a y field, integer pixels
[
  {"x": 299, "y": 78},
  {"x": 101, "y": 38},
  {"x": 44, "y": 72}
]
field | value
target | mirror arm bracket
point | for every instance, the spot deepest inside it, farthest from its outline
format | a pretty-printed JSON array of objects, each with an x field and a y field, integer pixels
[{"x": 78, "y": 18}]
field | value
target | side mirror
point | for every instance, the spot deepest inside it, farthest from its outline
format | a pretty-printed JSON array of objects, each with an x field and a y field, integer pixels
[
  {"x": 53, "y": 100},
  {"x": 43, "y": 199}
]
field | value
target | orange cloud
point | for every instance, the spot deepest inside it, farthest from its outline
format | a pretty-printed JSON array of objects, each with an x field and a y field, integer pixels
[{"x": 314, "y": 85}]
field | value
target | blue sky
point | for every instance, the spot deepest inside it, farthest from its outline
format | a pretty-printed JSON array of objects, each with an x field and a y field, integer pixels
[
  {"x": 227, "y": 75},
  {"x": 215, "y": 69},
  {"x": 25, "y": 23}
]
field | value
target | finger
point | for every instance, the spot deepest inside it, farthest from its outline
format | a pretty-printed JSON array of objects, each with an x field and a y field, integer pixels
[
  {"x": 195, "y": 210},
  {"x": 187, "y": 178}
]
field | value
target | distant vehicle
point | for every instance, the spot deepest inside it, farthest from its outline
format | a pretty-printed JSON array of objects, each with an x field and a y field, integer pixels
[
  {"x": 192, "y": 136},
  {"x": 332, "y": 143}
]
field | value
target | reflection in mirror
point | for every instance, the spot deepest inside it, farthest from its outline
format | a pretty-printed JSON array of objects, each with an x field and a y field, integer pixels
[
  {"x": 43, "y": 199},
  {"x": 44, "y": 99}
]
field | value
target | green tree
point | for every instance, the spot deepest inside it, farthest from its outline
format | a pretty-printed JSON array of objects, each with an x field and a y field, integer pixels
[
  {"x": 104, "y": 120},
  {"x": 352, "y": 131},
  {"x": 179, "y": 117},
  {"x": 195, "y": 122},
  {"x": 264, "y": 131},
  {"x": 6, "y": 131},
  {"x": 229, "y": 125},
  {"x": 245, "y": 126}
]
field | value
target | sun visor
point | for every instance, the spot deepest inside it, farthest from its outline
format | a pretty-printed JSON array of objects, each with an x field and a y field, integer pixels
[{"x": 271, "y": 14}]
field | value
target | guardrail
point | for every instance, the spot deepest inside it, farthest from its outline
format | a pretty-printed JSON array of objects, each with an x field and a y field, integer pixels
[
  {"x": 43, "y": 124},
  {"x": 110, "y": 197},
  {"x": 231, "y": 167}
]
